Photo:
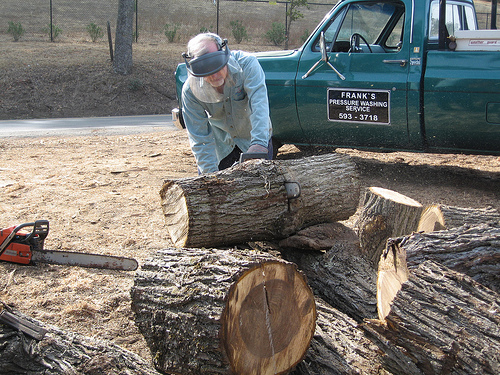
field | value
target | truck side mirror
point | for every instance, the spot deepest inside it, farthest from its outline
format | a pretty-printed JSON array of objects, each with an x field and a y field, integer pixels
[
  {"x": 324, "y": 58},
  {"x": 322, "y": 47}
]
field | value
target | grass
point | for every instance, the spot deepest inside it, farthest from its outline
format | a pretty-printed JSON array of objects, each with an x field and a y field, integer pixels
[{"x": 193, "y": 15}]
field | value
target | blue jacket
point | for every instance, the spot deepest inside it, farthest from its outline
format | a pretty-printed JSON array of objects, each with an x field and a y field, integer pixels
[{"x": 241, "y": 118}]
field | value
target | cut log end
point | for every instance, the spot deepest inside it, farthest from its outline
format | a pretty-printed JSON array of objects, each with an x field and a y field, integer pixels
[
  {"x": 175, "y": 209},
  {"x": 432, "y": 219},
  {"x": 269, "y": 320},
  {"x": 392, "y": 273},
  {"x": 394, "y": 196}
]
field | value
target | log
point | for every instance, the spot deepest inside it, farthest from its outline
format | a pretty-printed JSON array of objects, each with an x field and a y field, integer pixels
[
  {"x": 248, "y": 202},
  {"x": 444, "y": 322},
  {"x": 385, "y": 214},
  {"x": 341, "y": 275},
  {"x": 438, "y": 217},
  {"x": 474, "y": 251},
  {"x": 63, "y": 352},
  {"x": 209, "y": 311}
]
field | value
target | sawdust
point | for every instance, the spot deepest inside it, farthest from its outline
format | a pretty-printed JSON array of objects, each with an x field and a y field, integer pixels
[{"x": 101, "y": 195}]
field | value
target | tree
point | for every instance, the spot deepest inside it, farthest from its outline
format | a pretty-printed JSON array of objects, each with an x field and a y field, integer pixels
[
  {"x": 122, "y": 62},
  {"x": 293, "y": 14}
]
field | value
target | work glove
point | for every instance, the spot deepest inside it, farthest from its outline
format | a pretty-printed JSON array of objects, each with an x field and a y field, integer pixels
[{"x": 256, "y": 149}]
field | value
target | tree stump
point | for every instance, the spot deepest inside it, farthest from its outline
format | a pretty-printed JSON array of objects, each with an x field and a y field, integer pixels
[
  {"x": 249, "y": 202},
  {"x": 439, "y": 217},
  {"x": 444, "y": 322},
  {"x": 385, "y": 214},
  {"x": 62, "y": 352},
  {"x": 341, "y": 275},
  {"x": 190, "y": 303}
]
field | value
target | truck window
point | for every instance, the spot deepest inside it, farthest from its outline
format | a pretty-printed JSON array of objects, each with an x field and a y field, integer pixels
[
  {"x": 379, "y": 23},
  {"x": 459, "y": 16}
]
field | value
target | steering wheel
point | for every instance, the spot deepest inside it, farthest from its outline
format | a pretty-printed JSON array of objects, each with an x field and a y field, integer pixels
[{"x": 354, "y": 41}]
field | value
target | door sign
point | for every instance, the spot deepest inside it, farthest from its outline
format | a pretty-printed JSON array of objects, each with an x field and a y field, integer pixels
[{"x": 358, "y": 105}]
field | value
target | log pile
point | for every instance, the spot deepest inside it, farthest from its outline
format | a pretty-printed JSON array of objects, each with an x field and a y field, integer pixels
[
  {"x": 213, "y": 309},
  {"x": 444, "y": 322},
  {"x": 264, "y": 280}
]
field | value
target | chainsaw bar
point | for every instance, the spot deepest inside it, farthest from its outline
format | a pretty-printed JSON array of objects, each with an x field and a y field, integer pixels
[{"x": 68, "y": 258}]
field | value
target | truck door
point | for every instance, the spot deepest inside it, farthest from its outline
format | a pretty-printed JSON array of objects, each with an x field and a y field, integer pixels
[
  {"x": 359, "y": 96},
  {"x": 461, "y": 88}
]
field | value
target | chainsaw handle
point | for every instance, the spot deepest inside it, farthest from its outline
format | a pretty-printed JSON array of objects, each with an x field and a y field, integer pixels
[{"x": 40, "y": 228}]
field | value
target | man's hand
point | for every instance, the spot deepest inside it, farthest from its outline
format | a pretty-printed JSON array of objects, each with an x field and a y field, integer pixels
[
  {"x": 255, "y": 152},
  {"x": 256, "y": 149}
]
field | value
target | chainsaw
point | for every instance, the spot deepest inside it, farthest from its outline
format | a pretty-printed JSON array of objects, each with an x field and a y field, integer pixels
[{"x": 25, "y": 247}]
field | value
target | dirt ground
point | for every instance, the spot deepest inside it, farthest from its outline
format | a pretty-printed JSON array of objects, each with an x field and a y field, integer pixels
[{"x": 101, "y": 192}]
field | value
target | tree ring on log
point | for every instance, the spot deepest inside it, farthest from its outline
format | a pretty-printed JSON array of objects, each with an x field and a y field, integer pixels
[{"x": 268, "y": 320}]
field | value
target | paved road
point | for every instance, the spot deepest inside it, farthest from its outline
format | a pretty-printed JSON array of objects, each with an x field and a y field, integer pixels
[{"x": 119, "y": 125}]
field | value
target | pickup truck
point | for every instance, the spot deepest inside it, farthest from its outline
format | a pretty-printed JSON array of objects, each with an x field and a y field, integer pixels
[{"x": 412, "y": 75}]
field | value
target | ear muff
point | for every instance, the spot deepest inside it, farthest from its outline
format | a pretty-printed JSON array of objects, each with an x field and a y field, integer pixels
[{"x": 209, "y": 63}]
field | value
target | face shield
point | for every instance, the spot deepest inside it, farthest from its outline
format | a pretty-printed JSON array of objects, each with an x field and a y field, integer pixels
[{"x": 207, "y": 65}]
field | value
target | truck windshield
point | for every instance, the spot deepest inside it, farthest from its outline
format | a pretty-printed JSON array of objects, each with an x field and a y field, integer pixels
[
  {"x": 459, "y": 16},
  {"x": 380, "y": 23}
]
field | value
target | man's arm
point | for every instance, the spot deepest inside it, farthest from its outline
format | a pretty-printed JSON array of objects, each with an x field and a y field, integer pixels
[
  {"x": 255, "y": 87},
  {"x": 201, "y": 138}
]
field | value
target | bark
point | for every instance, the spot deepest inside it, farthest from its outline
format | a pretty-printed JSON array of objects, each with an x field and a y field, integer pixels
[
  {"x": 193, "y": 305},
  {"x": 444, "y": 322},
  {"x": 62, "y": 352},
  {"x": 122, "y": 62},
  {"x": 439, "y": 217},
  {"x": 385, "y": 214},
  {"x": 341, "y": 275},
  {"x": 474, "y": 251},
  {"x": 340, "y": 347},
  {"x": 249, "y": 202},
  {"x": 320, "y": 237}
]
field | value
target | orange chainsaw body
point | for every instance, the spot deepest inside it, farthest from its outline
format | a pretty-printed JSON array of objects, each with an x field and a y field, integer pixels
[{"x": 16, "y": 245}]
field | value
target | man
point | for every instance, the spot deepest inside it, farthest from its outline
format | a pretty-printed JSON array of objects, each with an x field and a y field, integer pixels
[{"x": 224, "y": 104}]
